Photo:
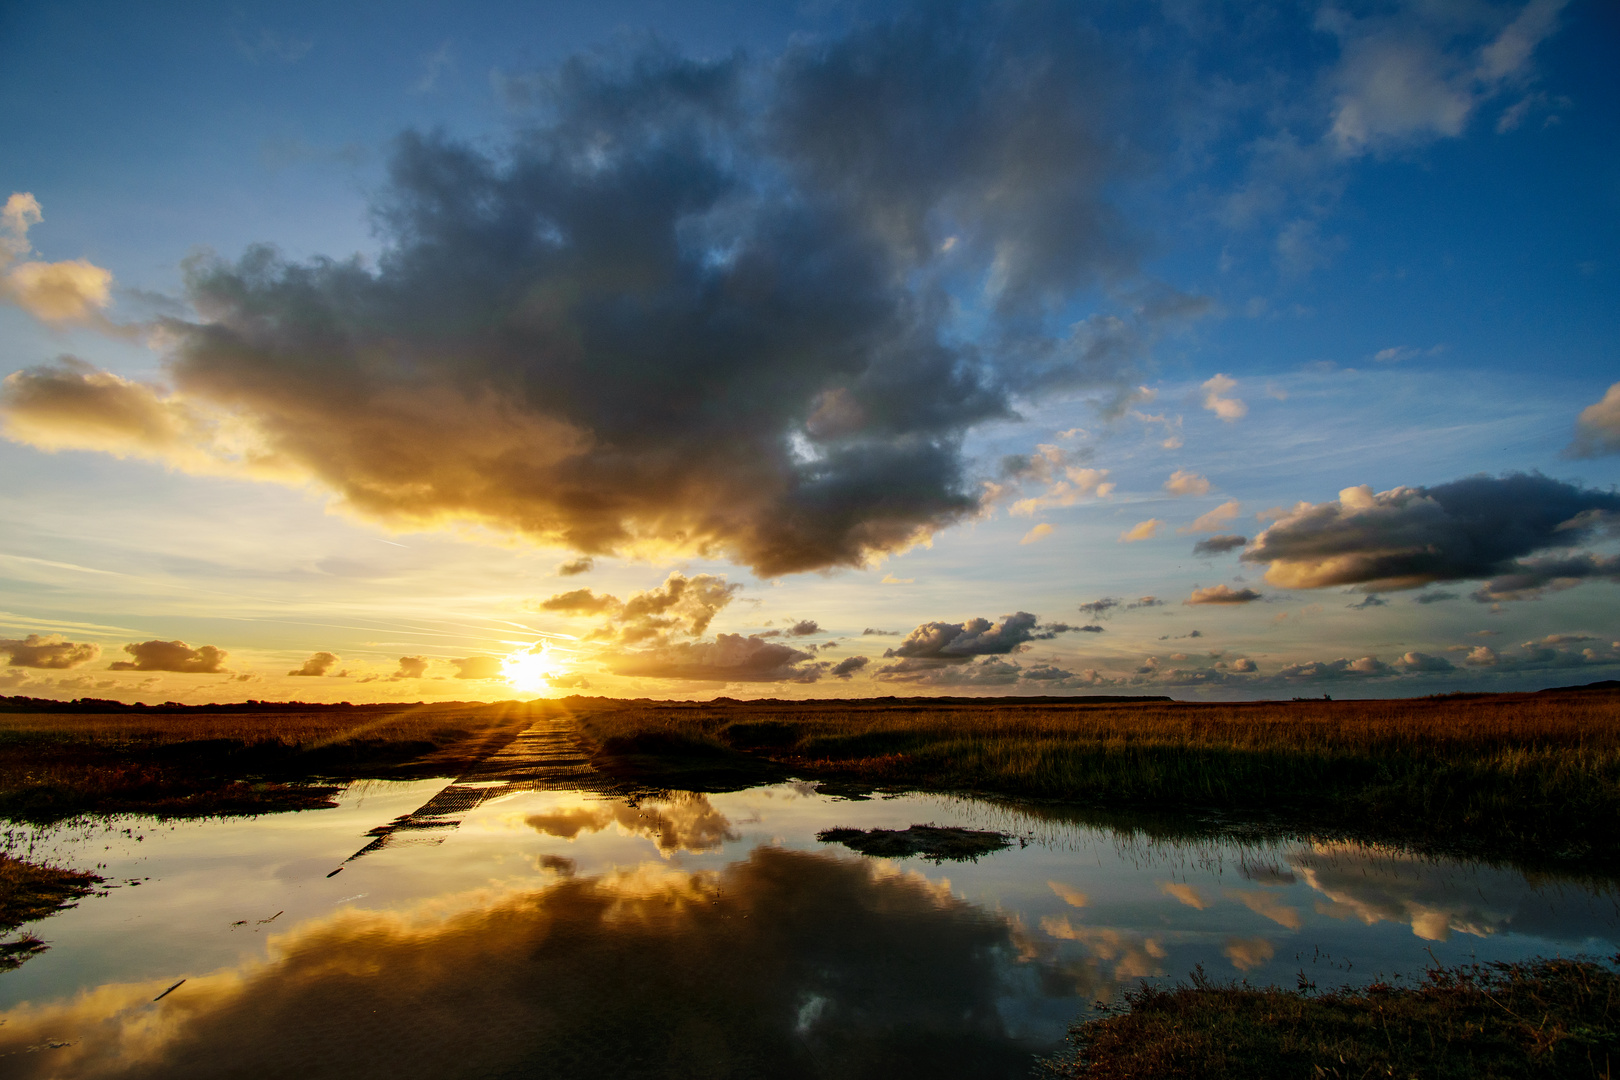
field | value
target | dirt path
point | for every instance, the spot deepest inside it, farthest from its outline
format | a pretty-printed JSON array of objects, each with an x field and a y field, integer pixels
[{"x": 546, "y": 756}]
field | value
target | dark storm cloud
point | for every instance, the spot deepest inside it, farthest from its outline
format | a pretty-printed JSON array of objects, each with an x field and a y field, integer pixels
[
  {"x": 1219, "y": 545},
  {"x": 50, "y": 651},
  {"x": 699, "y": 307},
  {"x": 172, "y": 656},
  {"x": 937, "y": 643},
  {"x": 1478, "y": 528}
]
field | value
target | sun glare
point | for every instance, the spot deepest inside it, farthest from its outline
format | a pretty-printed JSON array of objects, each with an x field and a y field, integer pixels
[{"x": 530, "y": 669}]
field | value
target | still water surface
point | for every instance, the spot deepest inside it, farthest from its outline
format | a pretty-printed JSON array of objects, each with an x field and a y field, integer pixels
[{"x": 566, "y": 933}]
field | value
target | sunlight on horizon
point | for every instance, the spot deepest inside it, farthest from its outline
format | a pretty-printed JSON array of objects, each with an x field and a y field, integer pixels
[{"x": 531, "y": 670}]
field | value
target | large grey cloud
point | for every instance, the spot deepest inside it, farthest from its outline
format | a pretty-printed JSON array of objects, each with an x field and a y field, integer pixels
[
  {"x": 1477, "y": 528},
  {"x": 698, "y": 306}
]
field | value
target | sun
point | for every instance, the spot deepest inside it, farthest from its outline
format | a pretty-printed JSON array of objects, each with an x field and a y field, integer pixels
[{"x": 531, "y": 669}]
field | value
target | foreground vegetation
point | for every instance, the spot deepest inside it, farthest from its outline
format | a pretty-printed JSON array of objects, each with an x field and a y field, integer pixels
[
  {"x": 1493, "y": 1022},
  {"x": 180, "y": 762},
  {"x": 1534, "y": 778},
  {"x": 29, "y": 892}
]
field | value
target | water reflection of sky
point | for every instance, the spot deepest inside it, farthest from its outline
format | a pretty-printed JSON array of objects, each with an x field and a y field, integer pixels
[{"x": 571, "y": 934}]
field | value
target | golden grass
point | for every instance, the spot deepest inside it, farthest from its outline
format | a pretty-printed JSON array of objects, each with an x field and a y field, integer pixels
[
  {"x": 1519, "y": 775},
  {"x": 190, "y": 763}
]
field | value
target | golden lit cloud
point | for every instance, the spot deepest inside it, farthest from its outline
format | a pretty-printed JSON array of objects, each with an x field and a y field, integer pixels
[
  {"x": 1142, "y": 530},
  {"x": 1215, "y": 520}
]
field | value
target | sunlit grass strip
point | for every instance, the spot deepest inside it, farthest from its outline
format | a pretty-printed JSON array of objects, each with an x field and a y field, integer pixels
[
  {"x": 1480, "y": 1022},
  {"x": 1527, "y": 776}
]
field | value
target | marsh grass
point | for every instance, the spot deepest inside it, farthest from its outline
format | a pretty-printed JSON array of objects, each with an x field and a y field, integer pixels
[
  {"x": 194, "y": 762},
  {"x": 1542, "y": 1018},
  {"x": 29, "y": 892},
  {"x": 1532, "y": 777}
]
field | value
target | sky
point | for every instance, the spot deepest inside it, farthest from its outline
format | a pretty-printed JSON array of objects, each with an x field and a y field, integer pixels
[{"x": 417, "y": 351}]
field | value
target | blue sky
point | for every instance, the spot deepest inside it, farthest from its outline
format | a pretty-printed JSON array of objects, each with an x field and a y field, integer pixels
[{"x": 862, "y": 316}]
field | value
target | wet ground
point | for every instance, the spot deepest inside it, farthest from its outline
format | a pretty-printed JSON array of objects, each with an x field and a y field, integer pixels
[{"x": 523, "y": 920}]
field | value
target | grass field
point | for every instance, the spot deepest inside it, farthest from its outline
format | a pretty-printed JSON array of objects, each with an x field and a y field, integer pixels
[
  {"x": 184, "y": 763},
  {"x": 1530, "y": 777},
  {"x": 1547, "y": 1018}
]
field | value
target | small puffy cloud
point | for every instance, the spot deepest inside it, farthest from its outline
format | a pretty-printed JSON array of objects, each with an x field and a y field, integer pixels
[
  {"x": 1089, "y": 628},
  {"x": 1331, "y": 670},
  {"x": 1560, "y": 639},
  {"x": 803, "y": 628},
  {"x": 1482, "y": 656},
  {"x": 74, "y": 290},
  {"x": 1039, "y": 532},
  {"x": 1597, "y": 429},
  {"x": 1099, "y": 609},
  {"x": 952, "y": 643},
  {"x": 50, "y": 651},
  {"x": 1183, "y": 482},
  {"x": 1142, "y": 530},
  {"x": 1435, "y": 597},
  {"x": 1418, "y": 661},
  {"x": 1371, "y": 600},
  {"x": 845, "y": 669},
  {"x": 1220, "y": 544},
  {"x": 1409, "y": 537},
  {"x": 1227, "y": 408},
  {"x": 729, "y": 658},
  {"x": 681, "y": 605},
  {"x": 318, "y": 664},
  {"x": 172, "y": 656},
  {"x": 1215, "y": 520},
  {"x": 411, "y": 667},
  {"x": 1222, "y": 594},
  {"x": 579, "y": 602},
  {"x": 583, "y": 564},
  {"x": 890, "y": 579},
  {"x": 872, "y": 631},
  {"x": 1243, "y": 665},
  {"x": 1066, "y": 481},
  {"x": 478, "y": 667},
  {"x": 1144, "y": 602}
]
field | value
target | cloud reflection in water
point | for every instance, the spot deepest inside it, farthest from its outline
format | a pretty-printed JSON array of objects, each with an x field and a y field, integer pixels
[{"x": 787, "y": 963}]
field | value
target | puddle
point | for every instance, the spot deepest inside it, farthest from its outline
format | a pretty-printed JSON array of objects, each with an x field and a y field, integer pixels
[{"x": 568, "y": 933}]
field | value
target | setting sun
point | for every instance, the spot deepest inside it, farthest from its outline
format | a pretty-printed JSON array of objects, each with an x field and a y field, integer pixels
[{"x": 531, "y": 669}]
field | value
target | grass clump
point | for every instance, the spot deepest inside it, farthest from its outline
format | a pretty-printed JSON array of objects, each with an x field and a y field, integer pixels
[
  {"x": 30, "y": 892},
  {"x": 1544, "y": 1018}
]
